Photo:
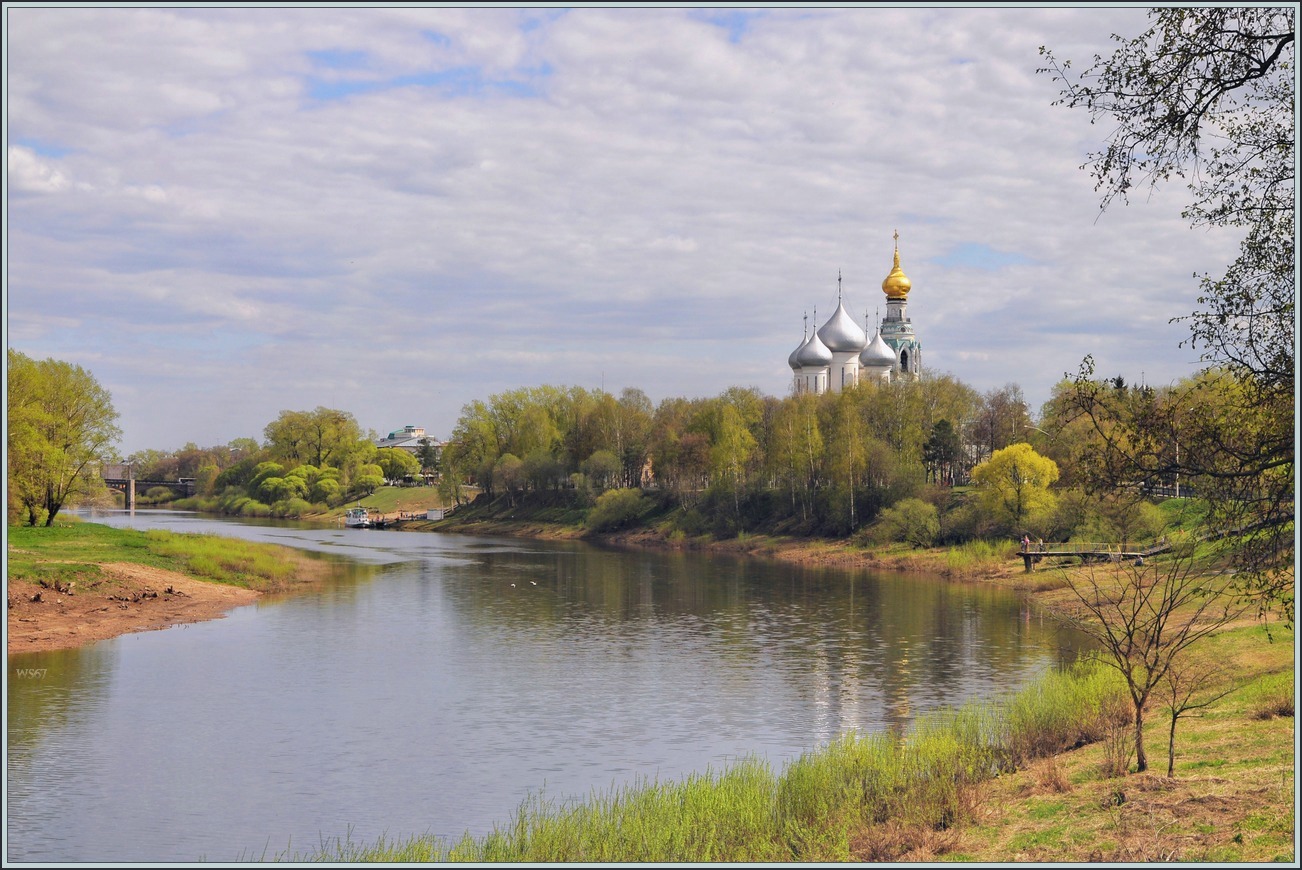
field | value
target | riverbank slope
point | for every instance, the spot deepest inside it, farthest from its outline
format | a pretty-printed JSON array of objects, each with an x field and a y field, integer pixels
[{"x": 77, "y": 583}]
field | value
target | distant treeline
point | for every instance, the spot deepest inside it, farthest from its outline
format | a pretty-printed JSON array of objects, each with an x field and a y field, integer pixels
[
  {"x": 882, "y": 455},
  {"x": 924, "y": 461}
]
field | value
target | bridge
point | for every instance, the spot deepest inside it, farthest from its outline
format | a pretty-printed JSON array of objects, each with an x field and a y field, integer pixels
[
  {"x": 122, "y": 478},
  {"x": 1092, "y": 551}
]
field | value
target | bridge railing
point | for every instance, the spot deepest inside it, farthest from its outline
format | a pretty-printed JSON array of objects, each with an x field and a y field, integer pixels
[{"x": 1074, "y": 547}]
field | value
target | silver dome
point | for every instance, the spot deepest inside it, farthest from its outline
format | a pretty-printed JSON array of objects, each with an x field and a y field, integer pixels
[
  {"x": 877, "y": 354},
  {"x": 841, "y": 333},
  {"x": 814, "y": 353},
  {"x": 794, "y": 360}
]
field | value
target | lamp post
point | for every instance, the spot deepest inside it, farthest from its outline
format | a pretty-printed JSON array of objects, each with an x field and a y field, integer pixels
[{"x": 1052, "y": 435}]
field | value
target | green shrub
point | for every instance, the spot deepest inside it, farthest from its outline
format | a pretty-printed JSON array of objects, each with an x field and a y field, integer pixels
[
  {"x": 292, "y": 507},
  {"x": 911, "y": 520},
  {"x": 251, "y": 508},
  {"x": 617, "y": 509}
]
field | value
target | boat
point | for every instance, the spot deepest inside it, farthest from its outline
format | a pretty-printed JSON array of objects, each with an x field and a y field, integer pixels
[{"x": 357, "y": 518}]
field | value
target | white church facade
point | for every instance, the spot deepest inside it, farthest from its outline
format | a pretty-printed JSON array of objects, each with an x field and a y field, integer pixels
[{"x": 839, "y": 354}]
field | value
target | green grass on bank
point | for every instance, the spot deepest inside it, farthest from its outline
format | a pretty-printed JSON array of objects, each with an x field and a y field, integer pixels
[
  {"x": 392, "y": 499},
  {"x": 73, "y": 551},
  {"x": 818, "y": 809},
  {"x": 1046, "y": 776}
]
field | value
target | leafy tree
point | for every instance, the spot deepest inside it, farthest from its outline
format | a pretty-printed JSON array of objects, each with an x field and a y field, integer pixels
[
  {"x": 204, "y": 479},
  {"x": 845, "y": 455},
  {"x": 730, "y": 450},
  {"x": 324, "y": 490},
  {"x": 1207, "y": 95},
  {"x": 1014, "y": 484},
  {"x": 942, "y": 451},
  {"x": 600, "y": 469},
  {"x": 61, "y": 423},
  {"x": 429, "y": 456},
  {"x": 368, "y": 479},
  {"x": 635, "y": 412},
  {"x": 397, "y": 463},
  {"x": 274, "y": 489},
  {"x": 508, "y": 475},
  {"x": 543, "y": 470},
  {"x": 321, "y": 437},
  {"x": 796, "y": 449}
]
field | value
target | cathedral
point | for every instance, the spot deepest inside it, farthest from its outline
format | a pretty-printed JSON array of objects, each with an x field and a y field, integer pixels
[{"x": 839, "y": 355}]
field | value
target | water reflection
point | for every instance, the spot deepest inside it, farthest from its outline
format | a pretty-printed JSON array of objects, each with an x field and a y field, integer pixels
[{"x": 454, "y": 675}]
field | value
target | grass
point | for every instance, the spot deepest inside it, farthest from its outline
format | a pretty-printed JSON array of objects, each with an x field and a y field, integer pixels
[
  {"x": 392, "y": 499},
  {"x": 977, "y": 555},
  {"x": 1024, "y": 780},
  {"x": 877, "y": 797},
  {"x": 73, "y": 552}
]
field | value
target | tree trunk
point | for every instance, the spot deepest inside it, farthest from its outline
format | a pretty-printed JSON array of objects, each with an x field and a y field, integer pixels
[
  {"x": 1170, "y": 750},
  {"x": 1141, "y": 759}
]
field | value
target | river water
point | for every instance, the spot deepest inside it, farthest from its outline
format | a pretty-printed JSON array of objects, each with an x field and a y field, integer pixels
[{"x": 448, "y": 678}]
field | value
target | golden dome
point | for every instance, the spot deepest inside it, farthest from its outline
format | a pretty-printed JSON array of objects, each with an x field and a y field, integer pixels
[{"x": 897, "y": 284}]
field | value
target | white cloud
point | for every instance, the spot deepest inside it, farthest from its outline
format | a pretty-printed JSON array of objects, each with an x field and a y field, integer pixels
[
  {"x": 396, "y": 211},
  {"x": 27, "y": 172}
]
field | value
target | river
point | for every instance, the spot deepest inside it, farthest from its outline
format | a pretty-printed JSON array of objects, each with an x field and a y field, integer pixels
[{"x": 447, "y": 678}]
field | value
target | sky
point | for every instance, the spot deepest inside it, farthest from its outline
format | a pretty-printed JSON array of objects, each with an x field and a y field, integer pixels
[{"x": 225, "y": 213}]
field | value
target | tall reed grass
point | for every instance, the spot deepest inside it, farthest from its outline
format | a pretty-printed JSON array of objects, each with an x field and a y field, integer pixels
[
  {"x": 979, "y": 554},
  {"x": 812, "y": 810}
]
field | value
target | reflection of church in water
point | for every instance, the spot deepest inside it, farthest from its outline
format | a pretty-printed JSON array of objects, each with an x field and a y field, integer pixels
[{"x": 838, "y": 354}]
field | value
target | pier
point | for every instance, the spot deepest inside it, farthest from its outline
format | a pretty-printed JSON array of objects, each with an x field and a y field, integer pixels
[{"x": 1090, "y": 552}]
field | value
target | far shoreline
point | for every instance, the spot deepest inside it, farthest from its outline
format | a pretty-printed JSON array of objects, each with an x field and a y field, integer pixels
[{"x": 151, "y": 599}]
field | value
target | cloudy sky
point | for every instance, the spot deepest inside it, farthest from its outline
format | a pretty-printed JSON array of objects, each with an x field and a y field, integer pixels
[{"x": 226, "y": 213}]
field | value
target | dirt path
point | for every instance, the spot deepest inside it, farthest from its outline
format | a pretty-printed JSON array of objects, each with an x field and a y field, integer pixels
[{"x": 139, "y": 598}]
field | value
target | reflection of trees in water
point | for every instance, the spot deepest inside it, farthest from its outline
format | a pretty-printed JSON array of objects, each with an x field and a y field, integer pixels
[{"x": 865, "y": 651}]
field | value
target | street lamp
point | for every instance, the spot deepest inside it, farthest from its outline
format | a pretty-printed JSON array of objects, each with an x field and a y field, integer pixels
[{"x": 1052, "y": 435}]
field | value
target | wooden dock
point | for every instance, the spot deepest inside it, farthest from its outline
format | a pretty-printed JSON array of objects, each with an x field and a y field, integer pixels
[
  {"x": 1090, "y": 552},
  {"x": 384, "y": 521}
]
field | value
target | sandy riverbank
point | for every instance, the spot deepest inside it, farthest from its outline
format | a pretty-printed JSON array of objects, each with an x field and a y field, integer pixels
[{"x": 141, "y": 599}]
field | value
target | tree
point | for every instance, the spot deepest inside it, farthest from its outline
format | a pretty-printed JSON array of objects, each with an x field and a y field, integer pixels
[
  {"x": 600, "y": 469},
  {"x": 730, "y": 450},
  {"x": 1207, "y": 95},
  {"x": 1014, "y": 484},
  {"x": 942, "y": 451},
  {"x": 429, "y": 456},
  {"x": 542, "y": 470},
  {"x": 508, "y": 475},
  {"x": 323, "y": 437},
  {"x": 396, "y": 463},
  {"x": 1145, "y": 618},
  {"x": 1002, "y": 419},
  {"x": 1190, "y": 686},
  {"x": 367, "y": 479},
  {"x": 61, "y": 423},
  {"x": 796, "y": 449}
]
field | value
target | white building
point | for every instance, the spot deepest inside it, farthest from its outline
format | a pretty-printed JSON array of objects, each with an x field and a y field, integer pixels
[
  {"x": 409, "y": 438},
  {"x": 839, "y": 355}
]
